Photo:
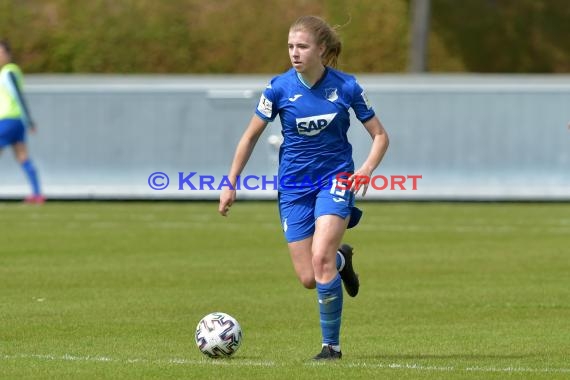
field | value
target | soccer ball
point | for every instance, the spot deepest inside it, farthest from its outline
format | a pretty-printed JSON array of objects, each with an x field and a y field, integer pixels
[{"x": 218, "y": 335}]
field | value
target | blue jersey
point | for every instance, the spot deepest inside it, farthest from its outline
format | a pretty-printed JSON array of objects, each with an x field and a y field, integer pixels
[{"x": 315, "y": 123}]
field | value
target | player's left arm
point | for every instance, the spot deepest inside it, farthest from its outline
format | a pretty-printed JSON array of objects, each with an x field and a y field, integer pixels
[
  {"x": 26, "y": 116},
  {"x": 379, "y": 147}
]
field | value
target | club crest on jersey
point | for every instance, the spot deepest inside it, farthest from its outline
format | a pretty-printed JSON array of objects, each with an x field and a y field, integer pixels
[
  {"x": 313, "y": 125},
  {"x": 331, "y": 94}
]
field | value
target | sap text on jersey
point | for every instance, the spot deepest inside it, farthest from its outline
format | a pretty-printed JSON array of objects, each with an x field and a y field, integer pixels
[{"x": 313, "y": 125}]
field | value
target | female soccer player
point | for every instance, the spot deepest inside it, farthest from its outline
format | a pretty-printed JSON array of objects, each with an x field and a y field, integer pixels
[
  {"x": 313, "y": 101},
  {"x": 15, "y": 118}
]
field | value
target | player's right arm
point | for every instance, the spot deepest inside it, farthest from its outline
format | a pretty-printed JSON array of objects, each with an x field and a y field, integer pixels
[{"x": 243, "y": 152}]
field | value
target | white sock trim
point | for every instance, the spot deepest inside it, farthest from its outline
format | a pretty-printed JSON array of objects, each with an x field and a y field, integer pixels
[
  {"x": 342, "y": 260},
  {"x": 334, "y": 347}
]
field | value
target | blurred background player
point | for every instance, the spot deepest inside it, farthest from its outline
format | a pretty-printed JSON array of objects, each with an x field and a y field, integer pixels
[
  {"x": 15, "y": 118},
  {"x": 313, "y": 101}
]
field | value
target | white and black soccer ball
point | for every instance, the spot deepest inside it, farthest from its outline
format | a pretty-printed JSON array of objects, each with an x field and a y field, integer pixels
[{"x": 218, "y": 335}]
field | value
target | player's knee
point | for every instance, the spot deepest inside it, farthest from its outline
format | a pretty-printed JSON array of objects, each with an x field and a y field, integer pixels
[
  {"x": 308, "y": 282},
  {"x": 321, "y": 263}
]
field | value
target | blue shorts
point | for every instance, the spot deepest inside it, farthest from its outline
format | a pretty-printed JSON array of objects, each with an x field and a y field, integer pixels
[
  {"x": 298, "y": 212},
  {"x": 11, "y": 131}
]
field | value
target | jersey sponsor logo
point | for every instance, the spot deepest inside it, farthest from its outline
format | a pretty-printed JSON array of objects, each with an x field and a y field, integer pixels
[
  {"x": 295, "y": 97},
  {"x": 331, "y": 94},
  {"x": 313, "y": 125},
  {"x": 265, "y": 106}
]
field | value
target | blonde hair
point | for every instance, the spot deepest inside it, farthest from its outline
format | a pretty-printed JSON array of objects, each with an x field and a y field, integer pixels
[{"x": 324, "y": 34}]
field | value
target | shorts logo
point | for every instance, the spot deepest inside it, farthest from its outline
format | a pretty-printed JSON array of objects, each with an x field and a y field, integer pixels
[
  {"x": 313, "y": 125},
  {"x": 265, "y": 106},
  {"x": 285, "y": 225}
]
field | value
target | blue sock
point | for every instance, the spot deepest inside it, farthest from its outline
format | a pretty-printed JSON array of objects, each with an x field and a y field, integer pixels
[
  {"x": 339, "y": 261},
  {"x": 330, "y": 307},
  {"x": 32, "y": 176}
]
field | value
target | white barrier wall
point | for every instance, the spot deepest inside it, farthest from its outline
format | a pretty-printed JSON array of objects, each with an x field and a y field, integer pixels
[{"x": 468, "y": 137}]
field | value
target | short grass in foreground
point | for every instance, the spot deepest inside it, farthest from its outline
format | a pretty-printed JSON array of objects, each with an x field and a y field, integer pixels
[{"x": 115, "y": 290}]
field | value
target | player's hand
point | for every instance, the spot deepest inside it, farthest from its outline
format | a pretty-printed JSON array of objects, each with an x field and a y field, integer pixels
[
  {"x": 360, "y": 179},
  {"x": 227, "y": 199},
  {"x": 32, "y": 127}
]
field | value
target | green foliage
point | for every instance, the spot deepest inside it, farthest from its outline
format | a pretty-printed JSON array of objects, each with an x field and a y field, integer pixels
[
  {"x": 236, "y": 36},
  {"x": 523, "y": 36},
  {"x": 449, "y": 291}
]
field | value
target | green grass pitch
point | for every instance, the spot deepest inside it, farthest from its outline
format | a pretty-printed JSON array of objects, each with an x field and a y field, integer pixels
[{"x": 114, "y": 290}]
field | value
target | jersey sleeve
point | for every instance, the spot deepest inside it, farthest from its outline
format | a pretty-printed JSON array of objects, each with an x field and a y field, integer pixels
[
  {"x": 267, "y": 106},
  {"x": 360, "y": 104}
]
